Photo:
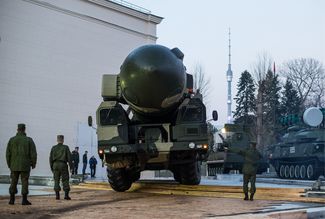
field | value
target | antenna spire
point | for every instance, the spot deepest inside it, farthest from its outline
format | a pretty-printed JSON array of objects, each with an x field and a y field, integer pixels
[{"x": 229, "y": 80}]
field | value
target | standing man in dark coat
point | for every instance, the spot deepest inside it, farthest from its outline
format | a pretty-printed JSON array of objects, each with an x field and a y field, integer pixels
[
  {"x": 92, "y": 164},
  {"x": 84, "y": 161},
  {"x": 251, "y": 158},
  {"x": 75, "y": 161},
  {"x": 21, "y": 155},
  {"x": 59, "y": 157}
]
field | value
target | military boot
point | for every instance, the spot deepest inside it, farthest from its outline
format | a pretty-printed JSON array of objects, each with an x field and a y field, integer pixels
[
  {"x": 66, "y": 195},
  {"x": 251, "y": 197},
  {"x": 12, "y": 199},
  {"x": 57, "y": 195},
  {"x": 25, "y": 201},
  {"x": 246, "y": 196}
]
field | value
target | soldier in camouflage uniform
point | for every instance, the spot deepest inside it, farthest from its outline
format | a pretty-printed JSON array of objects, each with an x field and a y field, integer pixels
[
  {"x": 59, "y": 157},
  {"x": 21, "y": 155},
  {"x": 251, "y": 158}
]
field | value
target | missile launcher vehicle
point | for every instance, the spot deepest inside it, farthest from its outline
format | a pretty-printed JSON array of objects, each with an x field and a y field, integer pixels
[{"x": 151, "y": 120}]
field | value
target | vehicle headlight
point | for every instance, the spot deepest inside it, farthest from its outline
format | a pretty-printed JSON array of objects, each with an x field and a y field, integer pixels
[{"x": 113, "y": 148}]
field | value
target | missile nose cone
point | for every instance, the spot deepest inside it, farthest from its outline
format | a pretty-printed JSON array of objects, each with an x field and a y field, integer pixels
[{"x": 152, "y": 79}]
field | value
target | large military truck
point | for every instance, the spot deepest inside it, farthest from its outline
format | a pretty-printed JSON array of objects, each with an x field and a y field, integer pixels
[
  {"x": 151, "y": 120},
  {"x": 234, "y": 136},
  {"x": 300, "y": 154}
]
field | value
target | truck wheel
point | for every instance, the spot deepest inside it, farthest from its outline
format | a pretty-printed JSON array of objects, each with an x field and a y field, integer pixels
[
  {"x": 118, "y": 179},
  {"x": 177, "y": 175},
  {"x": 135, "y": 176},
  {"x": 287, "y": 172},
  {"x": 191, "y": 173}
]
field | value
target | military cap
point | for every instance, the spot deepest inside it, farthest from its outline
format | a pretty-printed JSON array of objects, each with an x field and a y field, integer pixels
[
  {"x": 60, "y": 137},
  {"x": 21, "y": 126}
]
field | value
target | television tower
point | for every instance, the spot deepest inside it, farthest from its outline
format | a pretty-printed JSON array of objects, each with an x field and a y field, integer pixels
[{"x": 229, "y": 80}]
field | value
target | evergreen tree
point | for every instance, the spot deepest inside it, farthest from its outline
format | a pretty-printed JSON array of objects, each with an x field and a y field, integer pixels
[
  {"x": 271, "y": 106},
  {"x": 290, "y": 101},
  {"x": 245, "y": 99}
]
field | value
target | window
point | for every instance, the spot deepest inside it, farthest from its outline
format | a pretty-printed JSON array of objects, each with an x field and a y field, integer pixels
[
  {"x": 111, "y": 116},
  {"x": 192, "y": 115}
]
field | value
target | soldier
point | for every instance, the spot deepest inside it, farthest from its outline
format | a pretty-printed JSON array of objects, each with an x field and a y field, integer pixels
[
  {"x": 75, "y": 161},
  {"x": 21, "y": 155},
  {"x": 59, "y": 157},
  {"x": 92, "y": 164},
  {"x": 84, "y": 161},
  {"x": 251, "y": 157}
]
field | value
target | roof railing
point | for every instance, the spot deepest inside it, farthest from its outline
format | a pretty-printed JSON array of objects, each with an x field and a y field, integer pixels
[{"x": 131, "y": 6}]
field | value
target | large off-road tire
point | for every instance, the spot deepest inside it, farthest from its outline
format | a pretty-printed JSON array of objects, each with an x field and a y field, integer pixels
[
  {"x": 191, "y": 173},
  {"x": 177, "y": 175},
  {"x": 119, "y": 179}
]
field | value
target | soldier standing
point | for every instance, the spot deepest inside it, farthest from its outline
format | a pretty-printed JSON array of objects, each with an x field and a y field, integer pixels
[
  {"x": 75, "y": 161},
  {"x": 251, "y": 158},
  {"x": 59, "y": 157},
  {"x": 84, "y": 161},
  {"x": 92, "y": 164},
  {"x": 21, "y": 155}
]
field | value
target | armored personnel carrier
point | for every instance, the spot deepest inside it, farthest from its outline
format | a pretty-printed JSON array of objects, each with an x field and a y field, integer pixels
[
  {"x": 300, "y": 154},
  {"x": 221, "y": 161},
  {"x": 151, "y": 120}
]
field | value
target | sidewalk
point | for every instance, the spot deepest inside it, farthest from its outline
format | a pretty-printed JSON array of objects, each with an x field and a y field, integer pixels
[{"x": 33, "y": 190}]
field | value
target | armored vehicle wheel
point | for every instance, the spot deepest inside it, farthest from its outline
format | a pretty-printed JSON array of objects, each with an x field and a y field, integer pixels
[
  {"x": 292, "y": 172},
  {"x": 302, "y": 172},
  {"x": 225, "y": 170},
  {"x": 297, "y": 175},
  {"x": 286, "y": 171},
  {"x": 211, "y": 171},
  {"x": 310, "y": 173},
  {"x": 118, "y": 179},
  {"x": 281, "y": 171},
  {"x": 191, "y": 173}
]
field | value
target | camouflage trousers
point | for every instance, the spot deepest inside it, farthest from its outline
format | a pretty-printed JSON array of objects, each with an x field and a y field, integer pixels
[
  {"x": 249, "y": 178},
  {"x": 24, "y": 176},
  {"x": 60, "y": 171}
]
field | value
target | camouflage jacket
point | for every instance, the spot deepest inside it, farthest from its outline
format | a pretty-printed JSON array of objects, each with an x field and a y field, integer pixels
[
  {"x": 21, "y": 153},
  {"x": 60, "y": 152},
  {"x": 251, "y": 159}
]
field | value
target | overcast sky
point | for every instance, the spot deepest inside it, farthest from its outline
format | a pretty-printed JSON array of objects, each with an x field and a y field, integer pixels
[{"x": 285, "y": 29}]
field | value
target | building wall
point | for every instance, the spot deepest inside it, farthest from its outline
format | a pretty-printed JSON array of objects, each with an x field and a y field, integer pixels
[{"x": 52, "y": 57}]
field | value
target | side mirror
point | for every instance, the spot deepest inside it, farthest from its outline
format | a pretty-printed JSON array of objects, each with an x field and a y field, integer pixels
[
  {"x": 214, "y": 115},
  {"x": 90, "y": 121}
]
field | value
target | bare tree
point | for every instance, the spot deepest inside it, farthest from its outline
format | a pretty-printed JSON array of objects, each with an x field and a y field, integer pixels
[
  {"x": 262, "y": 66},
  {"x": 307, "y": 76},
  {"x": 260, "y": 69},
  {"x": 201, "y": 82}
]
